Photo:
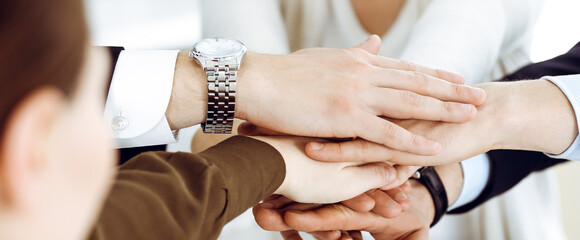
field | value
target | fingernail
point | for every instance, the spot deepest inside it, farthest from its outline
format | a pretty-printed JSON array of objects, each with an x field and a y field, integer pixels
[
  {"x": 467, "y": 108},
  {"x": 434, "y": 146},
  {"x": 401, "y": 196},
  {"x": 316, "y": 146},
  {"x": 267, "y": 205},
  {"x": 477, "y": 92}
]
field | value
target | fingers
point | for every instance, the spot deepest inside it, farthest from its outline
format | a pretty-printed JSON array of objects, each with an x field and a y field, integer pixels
[
  {"x": 360, "y": 203},
  {"x": 269, "y": 219},
  {"x": 400, "y": 197},
  {"x": 406, "y": 187},
  {"x": 427, "y": 85},
  {"x": 378, "y": 130},
  {"x": 290, "y": 235},
  {"x": 410, "y": 105},
  {"x": 277, "y": 202},
  {"x": 385, "y": 62},
  {"x": 359, "y": 150},
  {"x": 364, "y": 177},
  {"x": 385, "y": 205},
  {"x": 403, "y": 174},
  {"x": 330, "y": 217},
  {"x": 371, "y": 45},
  {"x": 364, "y": 151}
]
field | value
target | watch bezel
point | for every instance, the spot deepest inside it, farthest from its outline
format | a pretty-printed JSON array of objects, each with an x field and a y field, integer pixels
[{"x": 200, "y": 55}]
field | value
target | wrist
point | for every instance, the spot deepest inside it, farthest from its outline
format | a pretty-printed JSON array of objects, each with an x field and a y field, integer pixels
[
  {"x": 188, "y": 104},
  {"x": 534, "y": 111},
  {"x": 282, "y": 146},
  {"x": 452, "y": 177},
  {"x": 429, "y": 189},
  {"x": 422, "y": 200},
  {"x": 252, "y": 84},
  {"x": 493, "y": 117}
]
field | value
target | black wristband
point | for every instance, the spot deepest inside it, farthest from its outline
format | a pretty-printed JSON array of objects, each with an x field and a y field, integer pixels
[{"x": 430, "y": 179}]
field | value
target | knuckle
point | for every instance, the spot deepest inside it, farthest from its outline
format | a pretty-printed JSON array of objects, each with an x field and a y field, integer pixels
[
  {"x": 446, "y": 106},
  {"x": 407, "y": 66},
  {"x": 358, "y": 51},
  {"x": 411, "y": 99},
  {"x": 359, "y": 66},
  {"x": 421, "y": 81},
  {"x": 457, "y": 89},
  {"x": 388, "y": 129},
  {"x": 363, "y": 146},
  {"x": 410, "y": 142},
  {"x": 382, "y": 176}
]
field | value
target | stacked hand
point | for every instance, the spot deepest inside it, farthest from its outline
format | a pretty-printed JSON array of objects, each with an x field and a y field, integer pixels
[
  {"x": 330, "y": 93},
  {"x": 513, "y": 117},
  {"x": 311, "y": 181},
  {"x": 354, "y": 102},
  {"x": 386, "y": 220},
  {"x": 342, "y": 94}
]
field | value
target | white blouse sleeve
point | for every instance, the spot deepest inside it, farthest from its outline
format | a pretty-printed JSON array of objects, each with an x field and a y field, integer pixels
[
  {"x": 256, "y": 23},
  {"x": 468, "y": 36}
]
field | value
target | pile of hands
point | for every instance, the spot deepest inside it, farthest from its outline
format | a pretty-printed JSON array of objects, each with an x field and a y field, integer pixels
[{"x": 369, "y": 124}]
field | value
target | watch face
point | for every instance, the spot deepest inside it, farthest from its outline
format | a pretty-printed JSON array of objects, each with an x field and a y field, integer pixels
[{"x": 218, "y": 47}]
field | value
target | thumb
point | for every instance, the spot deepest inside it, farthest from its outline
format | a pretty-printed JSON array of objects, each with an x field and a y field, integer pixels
[{"x": 371, "y": 45}]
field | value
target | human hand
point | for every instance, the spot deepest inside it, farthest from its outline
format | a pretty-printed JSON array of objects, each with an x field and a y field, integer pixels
[
  {"x": 516, "y": 115},
  {"x": 311, "y": 181},
  {"x": 340, "y": 94},
  {"x": 324, "y": 221},
  {"x": 269, "y": 214},
  {"x": 403, "y": 172},
  {"x": 459, "y": 141}
]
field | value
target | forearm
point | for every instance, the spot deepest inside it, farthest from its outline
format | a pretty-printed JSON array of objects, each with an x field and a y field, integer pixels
[
  {"x": 189, "y": 196},
  {"x": 189, "y": 96}
]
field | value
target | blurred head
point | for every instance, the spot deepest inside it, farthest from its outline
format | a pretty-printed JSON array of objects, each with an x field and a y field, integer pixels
[{"x": 56, "y": 161}]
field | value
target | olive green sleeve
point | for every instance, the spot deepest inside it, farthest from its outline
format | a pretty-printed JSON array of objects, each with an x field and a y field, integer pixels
[{"x": 160, "y": 195}]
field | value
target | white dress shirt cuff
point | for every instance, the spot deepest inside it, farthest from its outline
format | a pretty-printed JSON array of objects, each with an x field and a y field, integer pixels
[
  {"x": 475, "y": 177},
  {"x": 138, "y": 98},
  {"x": 570, "y": 86}
]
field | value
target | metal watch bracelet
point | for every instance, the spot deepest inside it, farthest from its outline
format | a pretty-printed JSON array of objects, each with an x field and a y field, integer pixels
[{"x": 221, "y": 96}]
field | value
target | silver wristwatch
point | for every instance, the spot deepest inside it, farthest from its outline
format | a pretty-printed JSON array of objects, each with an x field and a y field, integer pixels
[{"x": 220, "y": 58}]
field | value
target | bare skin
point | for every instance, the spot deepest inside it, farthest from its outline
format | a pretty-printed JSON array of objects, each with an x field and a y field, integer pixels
[{"x": 377, "y": 16}]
